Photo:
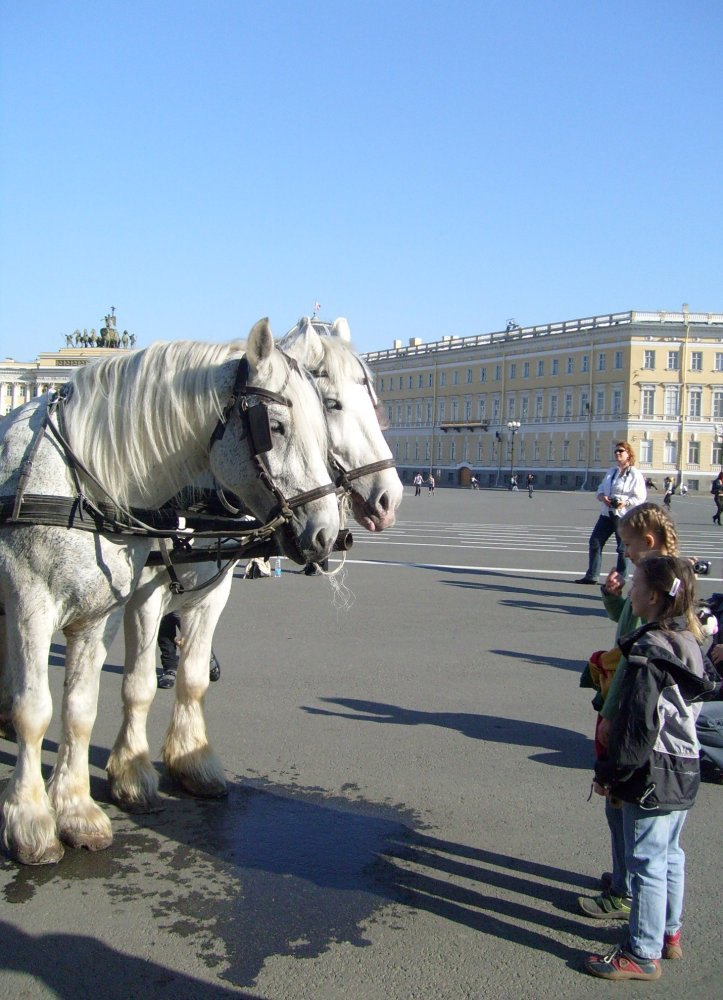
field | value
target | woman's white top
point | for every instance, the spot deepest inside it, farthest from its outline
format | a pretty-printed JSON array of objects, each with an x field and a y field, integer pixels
[{"x": 628, "y": 486}]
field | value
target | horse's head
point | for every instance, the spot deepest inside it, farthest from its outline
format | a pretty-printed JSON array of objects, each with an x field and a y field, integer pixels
[
  {"x": 271, "y": 447},
  {"x": 356, "y": 440}
]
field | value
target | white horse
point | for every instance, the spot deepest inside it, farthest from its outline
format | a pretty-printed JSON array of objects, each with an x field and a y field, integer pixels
[
  {"x": 358, "y": 452},
  {"x": 142, "y": 425}
]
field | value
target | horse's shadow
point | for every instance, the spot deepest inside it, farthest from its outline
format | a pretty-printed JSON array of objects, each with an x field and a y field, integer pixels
[
  {"x": 336, "y": 861},
  {"x": 570, "y": 749}
]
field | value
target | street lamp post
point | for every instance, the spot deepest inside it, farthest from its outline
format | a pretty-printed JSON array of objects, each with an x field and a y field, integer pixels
[{"x": 512, "y": 426}]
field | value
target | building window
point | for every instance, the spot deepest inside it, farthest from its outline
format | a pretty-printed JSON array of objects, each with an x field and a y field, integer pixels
[
  {"x": 694, "y": 453},
  {"x": 568, "y": 405},
  {"x": 483, "y": 374},
  {"x": 540, "y": 368},
  {"x": 570, "y": 366},
  {"x": 585, "y": 367},
  {"x": 717, "y": 454},
  {"x": 648, "y": 402},
  {"x": 409, "y": 382},
  {"x": 511, "y": 408},
  {"x": 674, "y": 361},
  {"x": 671, "y": 401},
  {"x": 550, "y": 451},
  {"x": 565, "y": 451},
  {"x": 719, "y": 361},
  {"x": 553, "y": 407},
  {"x": 581, "y": 451},
  {"x": 409, "y": 413},
  {"x": 469, "y": 375},
  {"x": 600, "y": 403},
  {"x": 526, "y": 369},
  {"x": 646, "y": 452},
  {"x": 429, "y": 413},
  {"x": 441, "y": 410},
  {"x": 418, "y": 413},
  {"x": 389, "y": 413},
  {"x": 696, "y": 361},
  {"x": 525, "y": 409},
  {"x": 670, "y": 452},
  {"x": 453, "y": 411},
  {"x": 468, "y": 409},
  {"x": 718, "y": 404},
  {"x": 452, "y": 450},
  {"x": 555, "y": 366},
  {"x": 617, "y": 361},
  {"x": 482, "y": 407},
  {"x": 649, "y": 359},
  {"x": 443, "y": 378},
  {"x": 695, "y": 397},
  {"x": 617, "y": 402},
  {"x": 601, "y": 362},
  {"x": 513, "y": 370},
  {"x": 539, "y": 402},
  {"x": 498, "y": 373},
  {"x": 584, "y": 403},
  {"x": 381, "y": 384},
  {"x": 455, "y": 377},
  {"x": 496, "y": 410},
  {"x": 399, "y": 414},
  {"x": 596, "y": 451},
  {"x": 420, "y": 381},
  {"x": 535, "y": 451},
  {"x": 431, "y": 380}
]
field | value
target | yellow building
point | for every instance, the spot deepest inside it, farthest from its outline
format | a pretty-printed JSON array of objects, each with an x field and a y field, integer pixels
[{"x": 554, "y": 399}]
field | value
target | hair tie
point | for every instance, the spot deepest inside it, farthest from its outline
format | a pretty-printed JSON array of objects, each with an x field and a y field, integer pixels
[{"x": 674, "y": 588}]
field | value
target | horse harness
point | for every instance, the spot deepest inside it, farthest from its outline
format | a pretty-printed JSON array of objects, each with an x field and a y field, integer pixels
[{"x": 106, "y": 517}]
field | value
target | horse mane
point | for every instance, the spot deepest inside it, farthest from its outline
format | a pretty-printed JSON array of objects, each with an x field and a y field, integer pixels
[{"x": 130, "y": 414}]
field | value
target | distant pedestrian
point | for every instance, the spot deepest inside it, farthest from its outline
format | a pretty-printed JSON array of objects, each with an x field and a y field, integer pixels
[
  {"x": 513, "y": 483},
  {"x": 530, "y": 484},
  {"x": 418, "y": 484},
  {"x": 430, "y": 484},
  {"x": 717, "y": 491},
  {"x": 669, "y": 491},
  {"x": 474, "y": 483}
]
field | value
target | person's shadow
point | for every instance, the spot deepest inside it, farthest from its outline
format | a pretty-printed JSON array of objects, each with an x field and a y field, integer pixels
[{"x": 570, "y": 749}]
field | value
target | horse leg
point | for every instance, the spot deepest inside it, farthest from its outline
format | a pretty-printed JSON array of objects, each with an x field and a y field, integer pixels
[
  {"x": 6, "y": 695},
  {"x": 187, "y": 754},
  {"x": 81, "y": 823},
  {"x": 131, "y": 774},
  {"x": 29, "y": 826}
]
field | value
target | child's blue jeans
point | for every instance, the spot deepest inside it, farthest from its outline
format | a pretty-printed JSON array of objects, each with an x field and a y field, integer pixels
[{"x": 656, "y": 865}]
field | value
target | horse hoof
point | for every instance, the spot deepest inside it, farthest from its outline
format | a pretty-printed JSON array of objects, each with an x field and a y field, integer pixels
[
  {"x": 207, "y": 790},
  {"x": 50, "y": 856},
  {"x": 138, "y": 807},
  {"x": 91, "y": 840}
]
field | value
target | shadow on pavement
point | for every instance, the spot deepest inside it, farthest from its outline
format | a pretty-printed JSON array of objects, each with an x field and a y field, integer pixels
[{"x": 571, "y": 749}]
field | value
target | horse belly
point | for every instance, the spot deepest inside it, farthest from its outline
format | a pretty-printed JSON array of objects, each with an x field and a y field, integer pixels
[{"x": 85, "y": 575}]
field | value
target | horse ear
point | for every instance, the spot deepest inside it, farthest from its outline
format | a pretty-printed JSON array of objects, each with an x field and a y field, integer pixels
[
  {"x": 304, "y": 343},
  {"x": 260, "y": 343},
  {"x": 340, "y": 328}
]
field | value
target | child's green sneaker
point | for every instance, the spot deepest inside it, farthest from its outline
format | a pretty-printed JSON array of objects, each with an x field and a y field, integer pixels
[{"x": 606, "y": 906}]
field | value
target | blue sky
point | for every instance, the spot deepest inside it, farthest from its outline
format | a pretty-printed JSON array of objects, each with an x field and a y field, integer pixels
[{"x": 421, "y": 168}]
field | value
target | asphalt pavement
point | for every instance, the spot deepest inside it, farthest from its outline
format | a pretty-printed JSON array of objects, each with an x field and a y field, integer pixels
[{"x": 409, "y": 759}]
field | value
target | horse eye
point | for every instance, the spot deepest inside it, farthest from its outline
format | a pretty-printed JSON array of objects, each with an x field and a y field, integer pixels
[
  {"x": 277, "y": 427},
  {"x": 332, "y": 404}
]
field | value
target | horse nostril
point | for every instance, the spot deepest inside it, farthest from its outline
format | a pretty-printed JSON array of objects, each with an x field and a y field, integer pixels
[
  {"x": 321, "y": 542},
  {"x": 384, "y": 502}
]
